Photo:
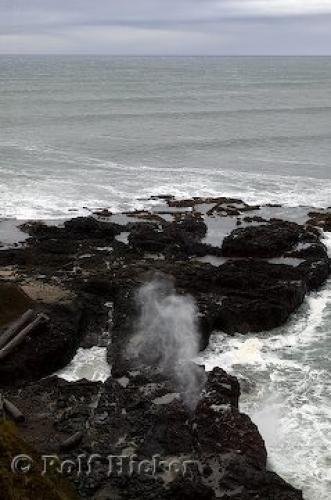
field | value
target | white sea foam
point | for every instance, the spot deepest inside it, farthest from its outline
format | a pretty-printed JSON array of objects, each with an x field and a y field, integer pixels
[
  {"x": 290, "y": 399},
  {"x": 90, "y": 364},
  {"x": 58, "y": 199},
  {"x": 327, "y": 242},
  {"x": 50, "y": 183}
]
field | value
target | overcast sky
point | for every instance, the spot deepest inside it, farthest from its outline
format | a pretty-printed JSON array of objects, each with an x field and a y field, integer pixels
[{"x": 166, "y": 26}]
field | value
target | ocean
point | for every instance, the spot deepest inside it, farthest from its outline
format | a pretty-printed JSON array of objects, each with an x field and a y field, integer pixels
[
  {"x": 106, "y": 131},
  {"x": 83, "y": 132}
]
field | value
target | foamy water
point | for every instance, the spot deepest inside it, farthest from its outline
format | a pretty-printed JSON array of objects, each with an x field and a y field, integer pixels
[
  {"x": 90, "y": 364},
  {"x": 288, "y": 371}
]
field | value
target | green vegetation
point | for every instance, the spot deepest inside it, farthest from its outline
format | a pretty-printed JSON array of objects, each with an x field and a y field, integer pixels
[{"x": 30, "y": 486}]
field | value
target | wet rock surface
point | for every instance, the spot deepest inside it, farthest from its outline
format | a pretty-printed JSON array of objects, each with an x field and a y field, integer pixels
[
  {"x": 269, "y": 240},
  {"x": 205, "y": 453},
  {"x": 84, "y": 275},
  {"x": 320, "y": 219}
]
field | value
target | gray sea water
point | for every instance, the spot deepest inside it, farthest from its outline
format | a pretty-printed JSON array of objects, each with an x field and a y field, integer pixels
[{"x": 107, "y": 131}]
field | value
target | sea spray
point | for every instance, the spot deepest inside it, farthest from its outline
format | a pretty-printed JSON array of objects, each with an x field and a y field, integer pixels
[
  {"x": 288, "y": 372},
  {"x": 167, "y": 336}
]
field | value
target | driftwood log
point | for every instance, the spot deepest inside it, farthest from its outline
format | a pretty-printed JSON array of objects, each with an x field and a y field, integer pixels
[
  {"x": 18, "y": 339},
  {"x": 13, "y": 411},
  {"x": 2, "y": 410},
  {"x": 16, "y": 327},
  {"x": 71, "y": 442}
]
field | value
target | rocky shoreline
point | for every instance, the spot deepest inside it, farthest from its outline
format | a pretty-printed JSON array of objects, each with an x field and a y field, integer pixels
[{"x": 246, "y": 268}]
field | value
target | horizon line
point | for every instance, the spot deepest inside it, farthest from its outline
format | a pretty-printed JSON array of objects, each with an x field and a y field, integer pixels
[{"x": 155, "y": 55}]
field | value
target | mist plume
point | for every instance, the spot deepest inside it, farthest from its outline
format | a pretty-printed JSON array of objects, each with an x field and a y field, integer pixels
[{"x": 167, "y": 336}]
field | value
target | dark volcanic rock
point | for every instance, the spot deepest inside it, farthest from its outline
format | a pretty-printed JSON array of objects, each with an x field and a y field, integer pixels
[
  {"x": 180, "y": 239},
  {"x": 315, "y": 272},
  {"x": 149, "y": 238},
  {"x": 255, "y": 483},
  {"x": 78, "y": 228},
  {"x": 227, "y": 209},
  {"x": 13, "y": 303},
  {"x": 222, "y": 388},
  {"x": 192, "y": 202},
  {"x": 221, "y": 429},
  {"x": 270, "y": 240},
  {"x": 260, "y": 296},
  {"x": 320, "y": 219},
  {"x": 41, "y": 230},
  {"x": 89, "y": 227},
  {"x": 191, "y": 224},
  {"x": 215, "y": 449},
  {"x": 48, "y": 348},
  {"x": 254, "y": 218},
  {"x": 243, "y": 295},
  {"x": 12, "y": 256},
  {"x": 313, "y": 251},
  {"x": 61, "y": 246}
]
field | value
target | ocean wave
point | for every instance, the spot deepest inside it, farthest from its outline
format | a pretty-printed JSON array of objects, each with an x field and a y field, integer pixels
[
  {"x": 44, "y": 195},
  {"x": 51, "y": 182},
  {"x": 289, "y": 372}
]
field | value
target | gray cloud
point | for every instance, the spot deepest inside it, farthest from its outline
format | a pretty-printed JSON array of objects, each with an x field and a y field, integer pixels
[{"x": 166, "y": 26}]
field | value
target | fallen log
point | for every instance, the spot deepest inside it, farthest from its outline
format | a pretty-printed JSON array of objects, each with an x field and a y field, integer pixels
[
  {"x": 16, "y": 327},
  {"x": 13, "y": 411},
  {"x": 71, "y": 442},
  {"x": 5, "y": 351},
  {"x": 2, "y": 412}
]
